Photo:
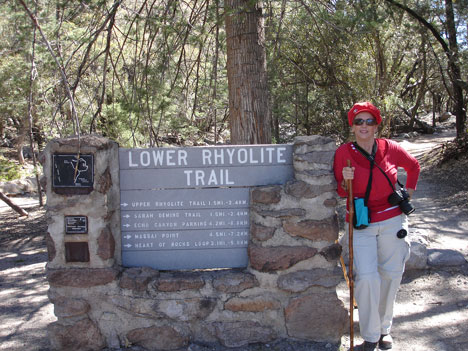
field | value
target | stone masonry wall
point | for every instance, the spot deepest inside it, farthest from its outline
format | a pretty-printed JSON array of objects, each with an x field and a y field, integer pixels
[{"x": 287, "y": 291}]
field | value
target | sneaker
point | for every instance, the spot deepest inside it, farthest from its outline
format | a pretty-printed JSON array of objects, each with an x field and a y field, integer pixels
[
  {"x": 386, "y": 342},
  {"x": 367, "y": 346}
]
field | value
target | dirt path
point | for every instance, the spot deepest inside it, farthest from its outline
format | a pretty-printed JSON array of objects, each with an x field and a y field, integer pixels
[
  {"x": 439, "y": 215},
  {"x": 24, "y": 306},
  {"x": 432, "y": 305}
]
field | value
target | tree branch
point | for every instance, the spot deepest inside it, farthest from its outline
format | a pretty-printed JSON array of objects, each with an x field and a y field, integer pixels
[
  {"x": 62, "y": 71},
  {"x": 10, "y": 203},
  {"x": 425, "y": 23}
]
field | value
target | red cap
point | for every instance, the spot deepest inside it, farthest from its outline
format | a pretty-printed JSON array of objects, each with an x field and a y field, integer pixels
[{"x": 363, "y": 107}]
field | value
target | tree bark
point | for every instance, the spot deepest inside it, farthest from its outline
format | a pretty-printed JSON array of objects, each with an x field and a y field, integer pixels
[
  {"x": 32, "y": 77},
  {"x": 250, "y": 115},
  {"x": 20, "y": 143},
  {"x": 422, "y": 89},
  {"x": 455, "y": 74}
]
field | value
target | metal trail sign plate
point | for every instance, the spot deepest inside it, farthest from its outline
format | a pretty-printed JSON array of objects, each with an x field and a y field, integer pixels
[
  {"x": 72, "y": 174},
  {"x": 188, "y": 208}
]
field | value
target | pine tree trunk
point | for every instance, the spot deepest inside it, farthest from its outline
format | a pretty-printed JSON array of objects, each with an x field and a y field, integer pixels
[
  {"x": 250, "y": 115},
  {"x": 19, "y": 145},
  {"x": 455, "y": 74}
]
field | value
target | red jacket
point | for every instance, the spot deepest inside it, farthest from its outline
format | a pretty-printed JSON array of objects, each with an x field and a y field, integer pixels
[{"x": 390, "y": 155}]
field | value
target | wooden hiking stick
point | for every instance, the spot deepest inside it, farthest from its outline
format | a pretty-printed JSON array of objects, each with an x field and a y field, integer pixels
[
  {"x": 345, "y": 272},
  {"x": 350, "y": 270}
]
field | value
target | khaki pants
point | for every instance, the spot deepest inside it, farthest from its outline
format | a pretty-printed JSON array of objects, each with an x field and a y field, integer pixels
[{"x": 379, "y": 262}]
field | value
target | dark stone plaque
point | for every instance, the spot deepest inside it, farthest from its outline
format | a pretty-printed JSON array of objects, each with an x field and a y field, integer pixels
[
  {"x": 72, "y": 174},
  {"x": 76, "y": 252},
  {"x": 76, "y": 225}
]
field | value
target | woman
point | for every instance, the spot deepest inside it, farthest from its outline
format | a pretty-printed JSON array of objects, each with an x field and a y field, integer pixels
[{"x": 379, "y": 254}]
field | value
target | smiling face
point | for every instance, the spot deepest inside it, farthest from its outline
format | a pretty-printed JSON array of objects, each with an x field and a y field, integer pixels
[{"x": 364, "y": 132}]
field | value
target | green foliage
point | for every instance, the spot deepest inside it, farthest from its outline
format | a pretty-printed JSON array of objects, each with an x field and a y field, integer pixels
[
  {"x": 162, "y": 78},
  {"x": 9, "y": 170}
]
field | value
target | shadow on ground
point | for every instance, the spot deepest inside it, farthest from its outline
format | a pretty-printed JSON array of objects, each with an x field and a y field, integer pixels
[{"x": 24, "y": 306}]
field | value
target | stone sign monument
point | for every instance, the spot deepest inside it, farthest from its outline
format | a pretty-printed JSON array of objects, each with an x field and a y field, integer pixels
[{"x": 131, "y": 231}]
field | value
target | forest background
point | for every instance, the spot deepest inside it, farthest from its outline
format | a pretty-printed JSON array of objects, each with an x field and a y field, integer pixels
[{"x": 150, "y": 73}]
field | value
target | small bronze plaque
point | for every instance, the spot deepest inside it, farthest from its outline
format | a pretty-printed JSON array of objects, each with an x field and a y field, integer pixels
[
  {"x": 76, "y": 225},
  {"x": 73, "y": 174},
  {"x": 76, "y": 252}
]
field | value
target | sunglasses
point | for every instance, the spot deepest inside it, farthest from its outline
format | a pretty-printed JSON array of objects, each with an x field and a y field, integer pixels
[{"x": 360, "y": 122}]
